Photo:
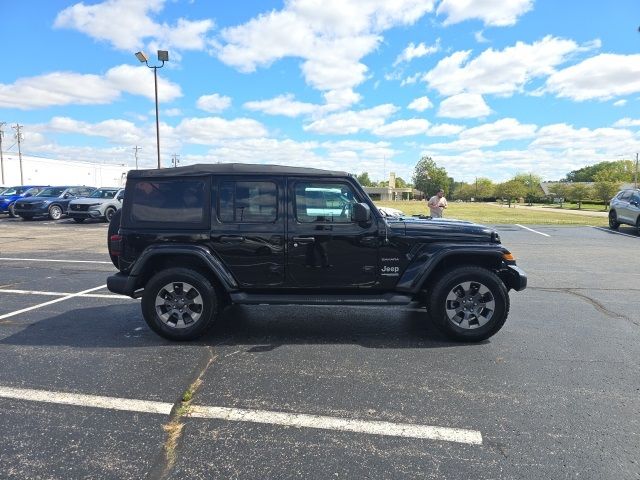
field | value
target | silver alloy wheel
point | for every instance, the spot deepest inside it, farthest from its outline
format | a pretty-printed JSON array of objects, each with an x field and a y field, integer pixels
[
  {"x": 179, "y": 305},
  {"x": 55, "y": 212},
  {"x": 108, "y": 215},
  {"x": 470, "y": 305}
]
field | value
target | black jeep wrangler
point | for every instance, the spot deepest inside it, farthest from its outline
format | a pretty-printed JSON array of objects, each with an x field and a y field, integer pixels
[{"x": 191, "y": 240}]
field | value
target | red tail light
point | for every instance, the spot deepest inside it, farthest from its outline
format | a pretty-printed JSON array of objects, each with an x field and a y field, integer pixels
[{"x": 115, "y": 245}]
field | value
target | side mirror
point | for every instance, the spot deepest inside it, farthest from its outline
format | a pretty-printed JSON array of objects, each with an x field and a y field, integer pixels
[
  {"x": 360, "y": 213},
  {"x": 66, "y": 195},
  {"x": 120, "y": 196},
  {"x": 28, "y": 195}
]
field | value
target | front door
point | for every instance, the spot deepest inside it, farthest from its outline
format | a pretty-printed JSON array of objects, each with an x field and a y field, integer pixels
[
  {"x": 326, "y": 249},
  {"x": 247, "y": 229}
]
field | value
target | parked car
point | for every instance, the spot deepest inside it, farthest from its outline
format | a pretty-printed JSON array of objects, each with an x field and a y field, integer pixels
[
  {"x": 10, "y": 195},
  {"x": 102, "y": 203},
  {"x": 190, "y": 240},
  {"x": 625, "y": 208},
  {"x": 51, "y": 201}
]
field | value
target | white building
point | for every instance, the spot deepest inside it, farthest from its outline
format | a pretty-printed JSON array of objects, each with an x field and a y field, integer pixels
[{"x": 47, "y": 171}]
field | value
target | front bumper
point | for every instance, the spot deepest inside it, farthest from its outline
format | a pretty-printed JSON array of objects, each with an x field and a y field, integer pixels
[
  {"x": 34, "y": 212},
  {"x": 85, "y": 214},
  {"x": 514, "y": 277},
  {"x": 123, "y": 284}
]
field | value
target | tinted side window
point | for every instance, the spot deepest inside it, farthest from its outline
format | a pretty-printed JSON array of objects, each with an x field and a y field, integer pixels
[
  {"x": 324, "y": 202},
  {"x": 248, "y": 202},
  {"x": 175, "y": 201},
  {"x": 626, "y": 195}
]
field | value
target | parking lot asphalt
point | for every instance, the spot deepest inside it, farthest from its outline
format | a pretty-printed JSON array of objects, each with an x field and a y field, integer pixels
[{"x": 555, "y": 394}]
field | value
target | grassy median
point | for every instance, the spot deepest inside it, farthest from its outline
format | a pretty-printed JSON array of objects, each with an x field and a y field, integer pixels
[{"x": 487, "y": 213}]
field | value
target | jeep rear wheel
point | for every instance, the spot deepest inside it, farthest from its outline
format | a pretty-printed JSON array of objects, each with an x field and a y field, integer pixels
[
  {"x": 613, "y": 220},
  {"x": 469, "y": 304},
  {"x": 179, "y": 304},
  {"x": 114, "y": 226}
]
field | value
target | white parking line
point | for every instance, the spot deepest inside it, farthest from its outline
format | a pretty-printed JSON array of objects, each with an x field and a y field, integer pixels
[
  {"x": 369, "y": 427},
  {"x": 63, "y": 294},
  {"x": 52, "y": 260},
  {"x": 608, "y": 230},
  {"x": 532, "y": 230},
  {"x": 50, "y": 302},
  {"x": 406, "y": 430}
]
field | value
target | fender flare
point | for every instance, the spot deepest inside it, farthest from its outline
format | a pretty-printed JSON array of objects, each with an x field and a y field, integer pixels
[
  {"x": 419, "y": 270},
  {"x": 210, "y": 261}
]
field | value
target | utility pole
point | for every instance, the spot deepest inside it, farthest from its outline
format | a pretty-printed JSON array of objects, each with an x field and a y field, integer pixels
[
  {"x": 2, "y": 124},
  {"x": 175, "y": 160},
  {"x": 17, "y": 128},
  {"x": 476, "y": 199},
  {"x": 635, "y": 177},
  {"x": 135, "y": 150}
]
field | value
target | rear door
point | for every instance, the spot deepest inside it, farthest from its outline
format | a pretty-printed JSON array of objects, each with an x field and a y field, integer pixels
[
  {"x": 622, "y": 209},
  {"x": 326, "y": 249},
  {"x": 247, "y": 228}
]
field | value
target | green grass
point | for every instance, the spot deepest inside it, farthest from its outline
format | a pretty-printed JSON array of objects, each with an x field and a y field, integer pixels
[{"x": 493, "y": 214}]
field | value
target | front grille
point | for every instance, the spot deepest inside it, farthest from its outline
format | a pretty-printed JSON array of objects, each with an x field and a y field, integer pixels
[{"x": 80, "y": 207}]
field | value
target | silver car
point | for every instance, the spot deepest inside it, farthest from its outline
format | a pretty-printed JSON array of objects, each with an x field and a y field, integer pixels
[
  {"x": 102, "y": 204},
  {"x": 625, "y": 208}
]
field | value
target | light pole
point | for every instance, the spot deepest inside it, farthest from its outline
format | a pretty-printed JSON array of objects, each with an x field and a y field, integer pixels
[{"x": 163, "y": 56}]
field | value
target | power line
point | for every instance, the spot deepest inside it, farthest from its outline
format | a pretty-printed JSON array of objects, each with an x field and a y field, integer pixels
[
  {"x": 17, "y": 127},
  {"x": 2, "y": 124},
  {"x": 135, "y": 149}
]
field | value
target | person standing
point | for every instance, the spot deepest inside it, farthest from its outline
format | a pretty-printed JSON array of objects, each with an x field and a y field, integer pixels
[{"x": 437, "y": 204}]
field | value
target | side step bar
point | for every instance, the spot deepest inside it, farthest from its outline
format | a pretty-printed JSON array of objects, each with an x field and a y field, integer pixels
[{"x": 292, "y": 299}]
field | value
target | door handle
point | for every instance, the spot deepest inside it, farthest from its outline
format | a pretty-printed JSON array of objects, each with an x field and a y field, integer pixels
[
  {"x": 304, "y": 240},
  {"x": 231, "y": 239}
]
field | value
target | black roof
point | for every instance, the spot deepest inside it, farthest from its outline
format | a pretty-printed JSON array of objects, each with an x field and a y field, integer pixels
[{"x": 233, "y": 169}]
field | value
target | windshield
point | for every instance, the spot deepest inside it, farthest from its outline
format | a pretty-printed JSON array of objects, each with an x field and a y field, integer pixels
[
  {"x": 51, "y": 192},
  {"x": 15, "y": 191},
  {"x": 104, "y": 193}
]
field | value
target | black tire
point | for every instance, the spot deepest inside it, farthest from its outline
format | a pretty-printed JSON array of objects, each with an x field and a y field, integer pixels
[
  {"x": 205, "y": 304},
  {"x": 114, "y": 226},
  {"x": 638, "y": 225},
  {"x": 12, "y": 210},
  {"x": 55, "y": 212},
  {"x": 488, "y": 313},
  {"x": 27, "y": 217},
  {"x": 613, "y": 220},
  {"x": 78, "y": 220},
  {"x": 109, "y": 213}
]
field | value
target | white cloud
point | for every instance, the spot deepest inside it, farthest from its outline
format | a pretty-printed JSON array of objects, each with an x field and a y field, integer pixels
[
  {"x": 620, "y": 103},
  {"x": 416, "y": 51},
  {"x": 214, "y": 103},
  {"x": 500, "y": 72},
  {"x": 561, "y": 136},
  {"x": 627, "y": 122},
  {"x": 489, "y": 135},
  {"x": 480, "y": 38},
  {"x": 282, "y": 105},
  {"x": 411, "y": 79},
  {"x": 444, "y": 130},
  {"x": 420, "y": 104},
  {"x": 116, "y": 130},
  {"x": 331, "y": 37},
  {"x": 464, "y": 105},
  {"x": 127, "y": 24},
  {"x": 495, "y": 13},
  {"x": 70, "y": 88},
  {"x": 403, "y": 128},
  {"x": 349, "y": 122},
  {"x": 210, "y": 130},
  {"x": 601, "y": 77},
  {"x": 172, "y": 112}
]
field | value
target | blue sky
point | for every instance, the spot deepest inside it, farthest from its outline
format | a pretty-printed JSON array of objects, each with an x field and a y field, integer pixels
[{"x": 485, "y": 87}]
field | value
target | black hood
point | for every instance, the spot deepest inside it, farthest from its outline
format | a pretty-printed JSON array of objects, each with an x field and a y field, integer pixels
[{"x": 442, "y": 229}]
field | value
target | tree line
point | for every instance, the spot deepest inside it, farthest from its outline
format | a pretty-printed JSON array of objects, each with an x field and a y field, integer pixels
[{"x": 599, "y": 182}]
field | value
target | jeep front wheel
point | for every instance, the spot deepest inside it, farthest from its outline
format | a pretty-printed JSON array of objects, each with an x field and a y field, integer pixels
[
  {"x": 469, "y": 304},
  {"x": 179, "y": 304}
]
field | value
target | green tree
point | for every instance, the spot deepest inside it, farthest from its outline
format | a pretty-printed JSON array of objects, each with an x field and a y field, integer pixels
[
  {"x": 605, "y": 186},
  {"x": 579, "y": 192},
  {"x": 560, "y": 190},
  {"x": 400, "y": 183},
  {"x": 531, "y": 181},
  {"x": 483, "y": 188},
  {"x": 511, "y": 190},
  {"x": 364, "y": 179},
  {"x": 463, "y": 191},
  {"x": 619, "y": 170},
  {"x": 429, "y": 178}
]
